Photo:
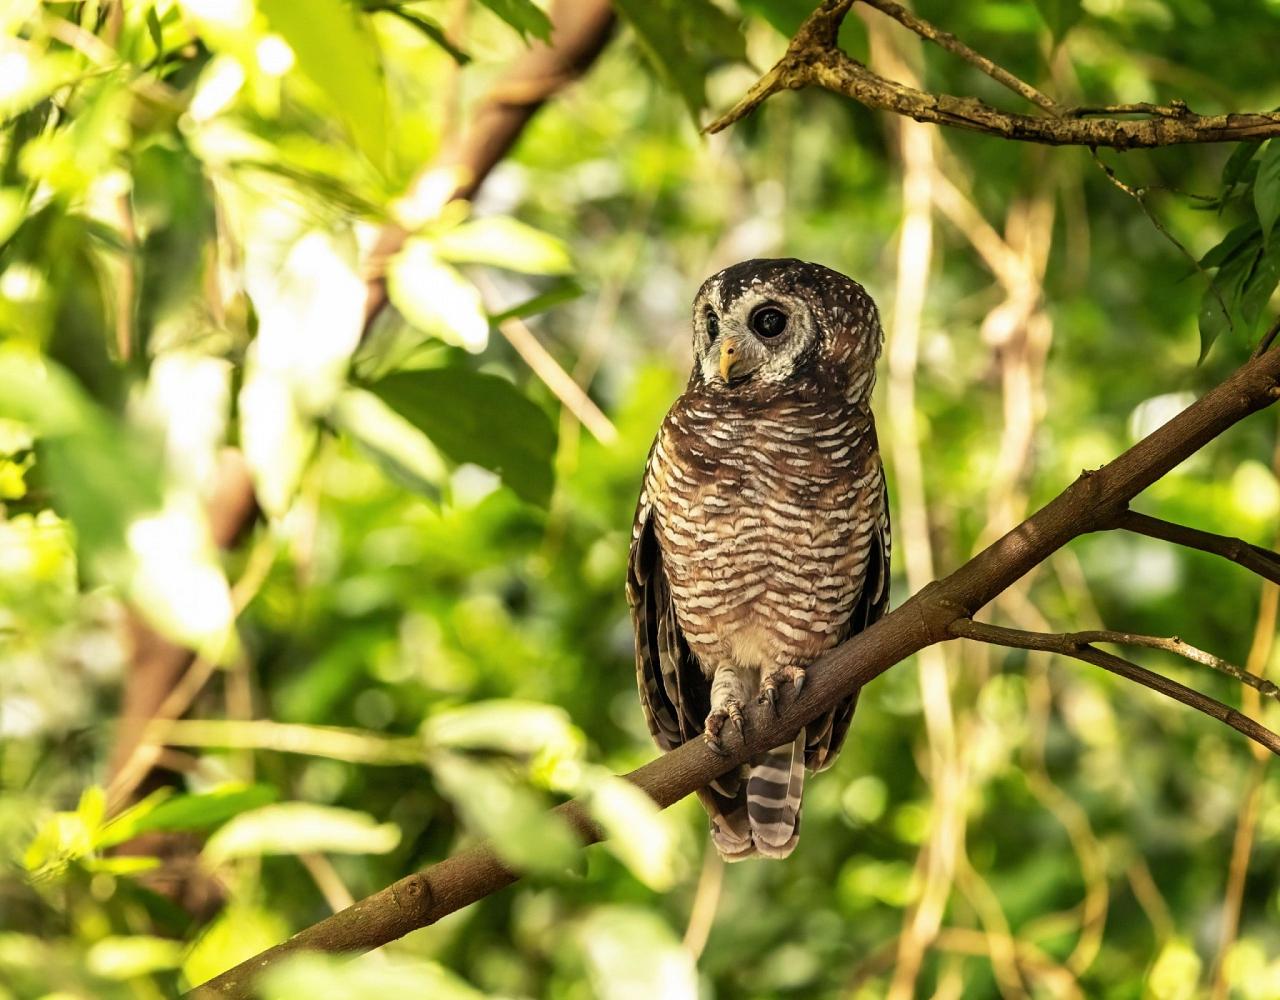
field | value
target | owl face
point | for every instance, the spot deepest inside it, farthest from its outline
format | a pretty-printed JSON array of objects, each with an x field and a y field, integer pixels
[{"x": 763, "y": 324}]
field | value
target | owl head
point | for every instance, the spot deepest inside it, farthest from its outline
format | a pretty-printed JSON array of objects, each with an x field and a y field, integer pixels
[{"x": 762, "y": 326}]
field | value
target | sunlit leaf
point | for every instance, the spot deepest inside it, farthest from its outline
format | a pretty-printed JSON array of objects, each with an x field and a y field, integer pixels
[
  {"x": 335, "y": 48},
  {"x": 495, "y": 805},
  {"x": 400, "y": 449},
  {"x": 299, "y": 828},
  {"x": 310, "y": 308},
  {"x": 119, "y": 957},
  {"x": 514, "y": 727},
  {"x": 434, "y": 297},
  {"x": 632, "y": 954},
  {"x": 200, "y": 811},
  {"x": 237, "y": 933},
  {"x": 423, "y": 24},
  {"x": 369, "y": 978},
  {"x": 1266, "y": 189},
  {"x": 564, "y": 290},
  {"x": 478, "y": 418},
  {"x": 636, "y": 831},
  {"x": 504, "y": 242},
  {"x": 523, "y": 15}
]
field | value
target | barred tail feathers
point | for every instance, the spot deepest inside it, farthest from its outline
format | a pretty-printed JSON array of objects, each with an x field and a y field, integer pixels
[{"x": 774, "y": 787}]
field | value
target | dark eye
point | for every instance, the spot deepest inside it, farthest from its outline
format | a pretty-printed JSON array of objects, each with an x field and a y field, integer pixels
[
  {"x": 768, "y": 321},
  {"x": 713, "y": 324}
]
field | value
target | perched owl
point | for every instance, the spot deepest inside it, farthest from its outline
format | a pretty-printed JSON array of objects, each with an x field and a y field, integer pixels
[{"x": 761, "y": 537}]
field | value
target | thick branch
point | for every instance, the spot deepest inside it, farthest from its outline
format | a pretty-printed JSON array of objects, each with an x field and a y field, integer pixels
[
  {"x": 1076, "y": 645},
  {"x": 1252, "y": 557},
  {"x": 814, "y": 59},
  {"x": 1092, "y": 501}
]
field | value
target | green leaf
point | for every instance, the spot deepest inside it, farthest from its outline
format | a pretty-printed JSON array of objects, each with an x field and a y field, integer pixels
[
  {"x": 1232, "y": 244},
  {"x": 504, "y": 242},
  {"x": 785, "y": 15},
  {"x": 118, "y": 957},
  {"x": 676, "y": 37},
  {"x": 400, "y": 449},
  {"x": 478, "y": 418},
  {"x": 237, "y": 933},
  {"x": 1233, "y": 170},
  {"x": 336, "y": 50},
  {"x": 565, "y": 290},
  {"x": 1226, "y": 289},
  {"x": 496, "y": 805},
  {"x": 514, "y": 727},
  {"x": 1260, "y": 285},
  {"x": 202, "y": 811},
  {"x": 423, "y": 24},
  {"x": 1059, "y": 15},
  {"x": 523, "y": 15},
  {"x": 1266, "y": 189},
  {"x": 632, "y": 952},
  {"x": 300, "y": 828},
  {"x": 369, "y": 978},
  {"x": 637, "y": 832},
  {"x": 435, "y": 298}
]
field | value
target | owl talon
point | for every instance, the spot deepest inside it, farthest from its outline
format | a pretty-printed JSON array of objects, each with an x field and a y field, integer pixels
[
  {"x": 769, "y": 689},
  {"x": 728, "y": 711}
]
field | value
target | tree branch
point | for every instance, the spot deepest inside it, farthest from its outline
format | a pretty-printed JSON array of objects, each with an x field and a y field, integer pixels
[
  {"x": 1093, "y": 501},
  {"x": 1252, "y": 557},
  {"x": 814, "y": 59},
  {"x": 1071, "y": 644}
]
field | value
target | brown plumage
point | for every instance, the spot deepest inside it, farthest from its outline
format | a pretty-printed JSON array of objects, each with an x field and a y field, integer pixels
[{"x": 761, "y": 537}]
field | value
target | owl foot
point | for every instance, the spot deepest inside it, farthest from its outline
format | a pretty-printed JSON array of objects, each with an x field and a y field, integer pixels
[
  {"x": 769, "y": 688},
  {"x": 729, "y": 710}
]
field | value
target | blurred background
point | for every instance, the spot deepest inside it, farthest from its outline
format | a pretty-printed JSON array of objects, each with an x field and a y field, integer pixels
[{"x": 293, "y": 604}]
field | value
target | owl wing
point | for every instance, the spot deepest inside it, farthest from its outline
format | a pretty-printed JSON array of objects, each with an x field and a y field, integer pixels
[
  {"x": 673, "y": 691},
  {"x": 825, "y": 735}
]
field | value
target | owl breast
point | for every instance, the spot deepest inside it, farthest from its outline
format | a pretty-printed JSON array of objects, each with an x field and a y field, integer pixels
[{"x": 764, "y": 518}]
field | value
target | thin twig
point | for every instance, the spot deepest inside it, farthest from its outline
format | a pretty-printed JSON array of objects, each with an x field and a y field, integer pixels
[
  {"x": 1267, "y": 338},
  {"x": 1139, "y": 195},
  {"x": 948, "y": 41},
  {"x": 1173, "y": 644},
  {"x": 967, "y": 628},
  {"x": 1252, "y": 557}
]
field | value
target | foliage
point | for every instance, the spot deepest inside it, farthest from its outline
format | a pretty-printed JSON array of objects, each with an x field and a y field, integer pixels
[{"x": 423, "y": 639}]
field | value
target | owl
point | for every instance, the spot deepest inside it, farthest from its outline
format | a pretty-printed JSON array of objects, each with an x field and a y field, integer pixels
[{"x": 761, "y": 538}]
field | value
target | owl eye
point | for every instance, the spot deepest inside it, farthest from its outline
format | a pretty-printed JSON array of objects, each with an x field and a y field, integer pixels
[
  {"x": 713, "y": 324},
  {"x": 768, "y": 321}
]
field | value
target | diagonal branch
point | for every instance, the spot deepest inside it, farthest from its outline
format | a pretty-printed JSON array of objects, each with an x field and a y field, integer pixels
[
  {"x": 815, "y": 59},
  {"x": 1252, "y": 557},
  {"x": 1092, "y": 502},
  {"x": 1073, "y": 645}
]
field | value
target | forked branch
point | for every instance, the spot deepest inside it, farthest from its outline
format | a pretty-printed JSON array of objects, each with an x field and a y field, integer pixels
[
  {"x": 815, "y": 59},
  {"x": 1077, "y": 645}
]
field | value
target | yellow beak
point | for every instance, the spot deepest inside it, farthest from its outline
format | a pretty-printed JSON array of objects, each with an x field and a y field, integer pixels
[{"x": 729, "y": 356}]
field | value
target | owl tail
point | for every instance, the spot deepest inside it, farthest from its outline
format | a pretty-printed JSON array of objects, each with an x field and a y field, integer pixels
[
  {"x": 774, "y": 787},
  {"x": 762, "y": 815}
]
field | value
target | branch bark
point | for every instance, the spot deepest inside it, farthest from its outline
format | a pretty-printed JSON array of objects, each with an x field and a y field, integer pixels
[
  {"x": 815, "y": 59},
  {"x": 1095, "y": 500},
  {"x": 1252, "y": 557}
]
